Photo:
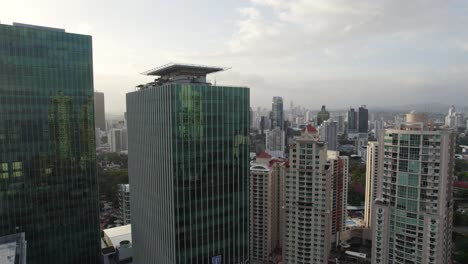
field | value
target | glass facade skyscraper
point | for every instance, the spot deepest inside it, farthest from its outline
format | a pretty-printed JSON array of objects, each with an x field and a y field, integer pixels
[
  {"x": 363, "y": 120},
  {"x": 189, "y": 169},
  {"x": 352, "y": 121},
  {"x": 277, "y": 113},
  {"x": 48, "y": 187},
  {"x": 413, "y": 212}
]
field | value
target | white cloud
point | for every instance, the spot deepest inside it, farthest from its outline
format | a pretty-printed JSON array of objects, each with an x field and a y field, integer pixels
[
  {"x": 253, "y": 27},
  {"x": 299, "y": 25}
]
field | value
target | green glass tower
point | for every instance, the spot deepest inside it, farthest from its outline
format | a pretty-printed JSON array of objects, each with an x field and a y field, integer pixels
[
  {"x": 48, "y": 185},
  {"x": 188, "y": 168}
]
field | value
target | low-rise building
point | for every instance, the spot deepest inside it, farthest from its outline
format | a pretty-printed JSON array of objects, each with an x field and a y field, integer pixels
[{"x": 117, "y": 245}]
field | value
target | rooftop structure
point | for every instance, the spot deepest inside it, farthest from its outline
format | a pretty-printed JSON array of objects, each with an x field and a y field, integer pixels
[
  {"x": 113, "y": 236},
  {"x": 118, "y": 242},
  {"x": 178, "y": 68},
  {"x": 15, "y": 24},
  {"x": 181, "y": 73}
]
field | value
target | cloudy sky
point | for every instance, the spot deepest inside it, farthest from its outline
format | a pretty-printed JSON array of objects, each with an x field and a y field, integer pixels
[{"x": 314, "y": 52}]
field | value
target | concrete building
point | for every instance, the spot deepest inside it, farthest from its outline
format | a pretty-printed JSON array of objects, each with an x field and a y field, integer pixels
[
  {"x": 329, "y": 133},
  {"x": 266, "y": 213},
  {"x": 339, "y": 170},
  {"x": 188, "y": 162},
  {"x": 413, "y": 214},
  {"x": 277, "y": 113},
  {"x": 372, "y": 176},
  {"x": 118, "y": 139},
  {"x": 97, "y": 137},
  {"x": 48, "y": 182},
  {"x": 13, "y": 249},
  {"x": 341, "y": 124},
  {"x": 361, "y": 141},
  {"x": 454, "y": 119},
  {"x": 117, "y": 245},
  {"x": 378, "y": 127},
  {"x": 99, "y": 111},
  {"x": 322, "y": 116},
  {"x": 264, "y": 124},
  {"x": 124, "y": 203},
  {"x": 308, "y": 216},
  {"x": 309, "y": 116},
  {"x": 275, "y": 142}
]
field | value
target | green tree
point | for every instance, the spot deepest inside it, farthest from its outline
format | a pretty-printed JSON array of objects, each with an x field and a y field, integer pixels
[{"x": 108, "y": 181}]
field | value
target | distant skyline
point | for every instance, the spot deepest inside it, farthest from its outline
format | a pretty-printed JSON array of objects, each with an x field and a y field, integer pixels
[{"x": 314, "y": 52}]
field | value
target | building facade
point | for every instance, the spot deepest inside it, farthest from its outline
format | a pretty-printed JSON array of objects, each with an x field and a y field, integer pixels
[
  {"x": 118, "y": 139},
  {"x": 99, "y": 111},
  {"x": 275, "y": 142},
  {"x": 352, "y": 121},
  {"x": 341, "y": 124},
  {"x": 277, "y": 113},
  {"x": 48, "y": 184},
  {"x": 308, "y": 201},
  {"x": 413, "y": 214},
  {"x": 189, "y": 168},
  {"x": 124, "y": 203},
  {"x": 372, "y": 176},
  {"x": 363, "y": 119},
  {"x": 339, "y": 170},
  {"x": 266, "y": 213},
  {"x": 329, "y": 134}
]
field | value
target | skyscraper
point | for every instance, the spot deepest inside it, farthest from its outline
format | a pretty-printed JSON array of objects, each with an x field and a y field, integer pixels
[
  {"x": 99, "y": 111},
  {"x": 363, "y": 120},
  {"x": 341, "y": 124},
  {"x": 329, "y": 134},
  {"x": 266, "y": 214},
  {"x": 277, "y": 113},
  {"x": 308, "y": 225},
  {"x": 323, "y": 115},
  {"x": 372, "y": 177},
  {"x": 339, "y": 168},
  {"x": 124, "y": 203},
  {"x": 48, "y": 185},
  {"x": 189, "y": 168},
  {"x": 413, "y": 214},
  {"x": 118, "y": 139},
  {"x": 352, "y": 121},
  {"x": 275, "y": 142},
  {"x": 378, "y": 127}
]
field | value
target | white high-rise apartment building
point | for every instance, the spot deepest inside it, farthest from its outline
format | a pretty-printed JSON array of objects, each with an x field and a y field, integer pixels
[
  {"x": 413, "y": 214},
  {"x": 308, "y": 201},
  {"x": 124, "y": 203},
  {"x": 266, "y": 214},
  {"x": 118, "y": 139},
  {"x": 372, "y": 176}
]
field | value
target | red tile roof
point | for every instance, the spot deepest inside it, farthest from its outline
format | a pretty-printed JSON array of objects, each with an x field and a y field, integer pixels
[
  {"x": 264, "y": 155},
  {"x": 311, "y": 129}
]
